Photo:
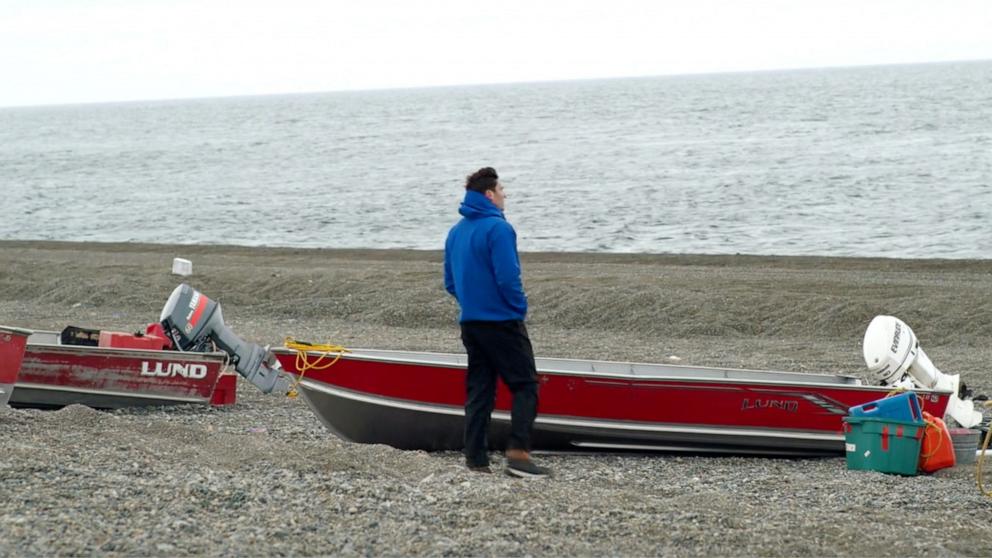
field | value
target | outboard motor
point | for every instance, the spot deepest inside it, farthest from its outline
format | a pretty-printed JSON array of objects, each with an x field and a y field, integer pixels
[
  {"x": 894, "y": 357},
  {"x": 192, "y": 321}
]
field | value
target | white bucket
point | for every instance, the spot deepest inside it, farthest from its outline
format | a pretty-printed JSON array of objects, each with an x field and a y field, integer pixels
[{"x": 182, "y": 267}]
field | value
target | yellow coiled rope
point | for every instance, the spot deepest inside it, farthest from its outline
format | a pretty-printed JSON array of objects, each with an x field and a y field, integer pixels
[
  {"x": 306, "y": 361},
  {"x": 981, "y": 458}
]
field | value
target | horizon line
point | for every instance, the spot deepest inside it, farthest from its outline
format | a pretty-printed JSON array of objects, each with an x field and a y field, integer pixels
[{"x": 488, "y": 84}]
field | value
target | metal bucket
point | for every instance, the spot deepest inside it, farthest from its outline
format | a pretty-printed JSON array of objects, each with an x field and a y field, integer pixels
[{"x": 965, "y": 442}]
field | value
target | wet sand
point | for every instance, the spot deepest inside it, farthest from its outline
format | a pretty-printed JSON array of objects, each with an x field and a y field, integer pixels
[{"x": 264, "y": 477}]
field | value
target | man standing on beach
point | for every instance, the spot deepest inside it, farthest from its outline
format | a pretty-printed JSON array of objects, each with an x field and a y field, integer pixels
[{"x": 482, "y": 271}]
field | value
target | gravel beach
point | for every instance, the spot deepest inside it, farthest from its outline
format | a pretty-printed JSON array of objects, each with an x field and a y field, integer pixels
[{"x": 264, "y": 477}]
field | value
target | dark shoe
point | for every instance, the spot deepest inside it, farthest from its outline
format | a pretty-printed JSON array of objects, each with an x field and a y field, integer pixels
[
  {"x": 477, "y": 467},
  {"x": 525, "y": 468}
]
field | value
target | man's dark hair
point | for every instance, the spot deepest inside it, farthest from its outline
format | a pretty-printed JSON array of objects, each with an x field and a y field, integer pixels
[{"x": 482, "y": 180}]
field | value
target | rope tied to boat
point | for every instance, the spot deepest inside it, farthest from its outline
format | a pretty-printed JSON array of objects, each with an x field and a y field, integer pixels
[{"x": 305, "y": 361}]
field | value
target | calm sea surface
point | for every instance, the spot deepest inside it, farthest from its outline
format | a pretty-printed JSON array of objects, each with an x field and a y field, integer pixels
[{"x": 881, "y": 161}]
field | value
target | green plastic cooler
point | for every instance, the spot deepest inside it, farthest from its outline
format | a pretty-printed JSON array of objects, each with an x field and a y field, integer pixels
[{"x": 883, "y": 444}]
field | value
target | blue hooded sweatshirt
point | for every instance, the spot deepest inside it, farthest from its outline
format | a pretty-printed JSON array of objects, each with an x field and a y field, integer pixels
[{"x": 481, "y": 265}]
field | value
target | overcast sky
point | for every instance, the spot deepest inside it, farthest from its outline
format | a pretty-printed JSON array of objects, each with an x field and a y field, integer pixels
[{"x": 67, "y": 51}]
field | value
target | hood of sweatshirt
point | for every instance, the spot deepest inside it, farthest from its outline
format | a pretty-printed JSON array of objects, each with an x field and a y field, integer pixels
[{"x": 477, "y": 206}]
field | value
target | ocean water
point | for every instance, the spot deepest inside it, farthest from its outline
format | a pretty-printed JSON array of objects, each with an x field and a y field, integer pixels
[{"x": 876, "y": 161}]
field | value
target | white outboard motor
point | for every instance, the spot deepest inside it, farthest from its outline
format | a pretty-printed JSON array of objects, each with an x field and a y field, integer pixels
[
  {"x": 192, "y": 321},
  {"x": 894, "y": 357}
]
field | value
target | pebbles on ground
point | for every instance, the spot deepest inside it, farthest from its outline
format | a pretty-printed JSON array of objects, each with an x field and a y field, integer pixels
[{"x": 265, "y": 478}]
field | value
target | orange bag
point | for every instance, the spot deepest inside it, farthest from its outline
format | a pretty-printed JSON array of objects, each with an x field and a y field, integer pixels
[{"x": 937, "y": 450}]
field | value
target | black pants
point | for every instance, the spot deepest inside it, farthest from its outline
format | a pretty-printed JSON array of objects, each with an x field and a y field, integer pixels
[{"x": 497, "y": 349}]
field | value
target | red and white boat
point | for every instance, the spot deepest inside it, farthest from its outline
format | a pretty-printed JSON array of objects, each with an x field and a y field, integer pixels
[
  {"x": 414, "y": 400},
  {"x": 12, "y": 343},
  {"x": 119, "y": 370}
]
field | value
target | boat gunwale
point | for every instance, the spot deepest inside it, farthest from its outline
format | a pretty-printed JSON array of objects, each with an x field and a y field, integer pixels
[
  {"x": 356, "y": 355},
  {"x": 121, "y": 351},
  {"x": 17, "y": 330}
]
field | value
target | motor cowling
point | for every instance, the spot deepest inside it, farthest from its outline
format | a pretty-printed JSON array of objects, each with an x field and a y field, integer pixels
[
  {"x": 194, "y": 322},
  {"x": 891, "y": 350},
  {"x": 895, "y": 358}
]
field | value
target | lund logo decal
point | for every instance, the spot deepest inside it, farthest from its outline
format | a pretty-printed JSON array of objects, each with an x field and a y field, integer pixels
[
  {"x": 791, "y": 406},
  {"x": 173, "y": 369}
]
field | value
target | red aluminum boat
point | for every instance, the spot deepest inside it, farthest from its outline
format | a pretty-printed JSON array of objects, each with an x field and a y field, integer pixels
[
  {"x": 12, "y": 342},
  {"x": 119, "y": 370},
  {"x": 414, "y": 400}
]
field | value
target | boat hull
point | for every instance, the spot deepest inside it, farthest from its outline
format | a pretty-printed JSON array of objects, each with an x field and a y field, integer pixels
[
  {"x": 415, "y": 401},
  {"x": 12, "y": 344},
  {"x": 54, "y": 376}
]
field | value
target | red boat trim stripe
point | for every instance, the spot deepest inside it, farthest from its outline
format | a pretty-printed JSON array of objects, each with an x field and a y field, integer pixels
[
  {"x": 668, "y": 385},
  {"x": 557, "y": 420}
]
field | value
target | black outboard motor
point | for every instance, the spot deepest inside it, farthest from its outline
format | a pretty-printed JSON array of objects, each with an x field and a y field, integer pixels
[{"x": 193, "y": 321}]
